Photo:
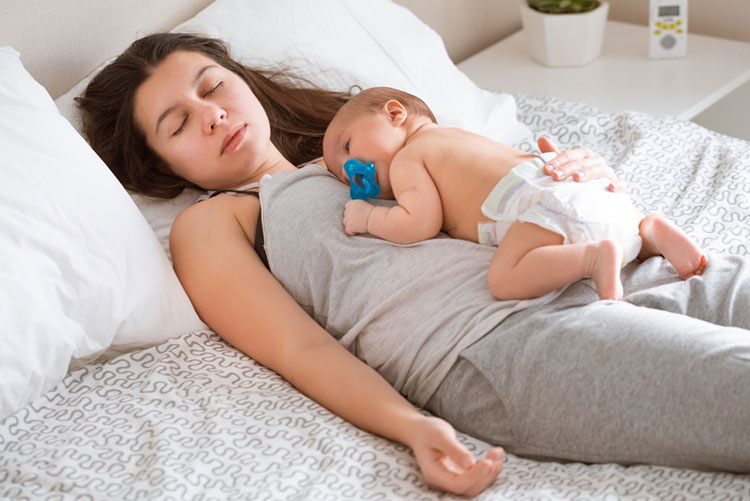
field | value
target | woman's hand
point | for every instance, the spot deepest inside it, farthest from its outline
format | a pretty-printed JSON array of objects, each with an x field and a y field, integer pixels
[
  {"x": 581, "y": 164},
  {"x": 448, "y": 465}
]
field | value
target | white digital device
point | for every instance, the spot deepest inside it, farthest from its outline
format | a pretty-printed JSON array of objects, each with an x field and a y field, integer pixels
[{"x": 668, "y": 28}]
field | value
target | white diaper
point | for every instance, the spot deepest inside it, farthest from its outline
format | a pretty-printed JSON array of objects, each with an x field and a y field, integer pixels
[{"x": 580, "y": 212}]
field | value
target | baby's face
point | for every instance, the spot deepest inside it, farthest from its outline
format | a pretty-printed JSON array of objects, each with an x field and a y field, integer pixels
[{"x": 367, "y": 136}]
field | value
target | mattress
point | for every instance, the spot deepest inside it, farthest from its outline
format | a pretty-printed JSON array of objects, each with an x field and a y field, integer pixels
[{"x": 193, "y": 418}]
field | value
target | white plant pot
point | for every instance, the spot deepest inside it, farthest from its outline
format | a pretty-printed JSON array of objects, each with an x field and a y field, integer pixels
[{"x": 564, "y": 39}]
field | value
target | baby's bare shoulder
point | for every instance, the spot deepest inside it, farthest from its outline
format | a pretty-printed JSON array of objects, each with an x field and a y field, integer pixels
[
  {"x": 452, "y": 135},
  {"x": 439, "y": 141}
]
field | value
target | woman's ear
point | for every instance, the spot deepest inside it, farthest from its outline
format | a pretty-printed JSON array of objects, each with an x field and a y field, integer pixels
[{"x": 395, "y": 111}]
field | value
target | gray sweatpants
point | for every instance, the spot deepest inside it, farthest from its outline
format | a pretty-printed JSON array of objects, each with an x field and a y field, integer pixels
[{"x": 662, "y": 377}]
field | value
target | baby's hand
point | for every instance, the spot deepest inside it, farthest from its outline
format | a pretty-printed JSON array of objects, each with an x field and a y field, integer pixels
[{"x": 356, "y": 213}]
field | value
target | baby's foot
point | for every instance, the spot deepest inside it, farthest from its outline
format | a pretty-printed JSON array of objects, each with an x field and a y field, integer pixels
[
  {"x": 605, "y": 261},
  {"x": 664, "y": 238}
]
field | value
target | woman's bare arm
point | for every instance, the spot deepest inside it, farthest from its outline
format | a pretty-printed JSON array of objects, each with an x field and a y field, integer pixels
[{"x": 235, "y": 294}]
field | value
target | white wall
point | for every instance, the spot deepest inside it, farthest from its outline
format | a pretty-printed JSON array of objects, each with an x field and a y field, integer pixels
[
  {"x": 58, "y": 56},
  {"x": 718, "y": 18},
  {"x": 468, "y": 26}
]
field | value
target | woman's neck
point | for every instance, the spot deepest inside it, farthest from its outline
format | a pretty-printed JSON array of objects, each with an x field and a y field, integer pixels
[{"x": 273, "y": 163}]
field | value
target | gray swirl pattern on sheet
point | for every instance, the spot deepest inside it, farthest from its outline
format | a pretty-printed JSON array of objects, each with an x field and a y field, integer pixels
[
  {"x": 699, "y": 178},
  {"x": 194, "y": 419}
]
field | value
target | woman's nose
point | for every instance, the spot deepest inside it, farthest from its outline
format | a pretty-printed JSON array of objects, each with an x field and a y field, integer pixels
[{"x": 213, "y": 116}]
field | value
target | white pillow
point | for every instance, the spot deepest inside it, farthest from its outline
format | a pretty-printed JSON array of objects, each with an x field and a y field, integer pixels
[
  {"x": 82, "y": 271},
  {"x": 335, "y": 44}
]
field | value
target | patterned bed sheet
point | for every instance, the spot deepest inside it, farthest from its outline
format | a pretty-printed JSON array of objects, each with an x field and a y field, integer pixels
[{"x": 193, "y": 418}]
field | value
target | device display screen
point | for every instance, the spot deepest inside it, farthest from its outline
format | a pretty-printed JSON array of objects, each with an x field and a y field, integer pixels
[{"x": 669, "y": 10}]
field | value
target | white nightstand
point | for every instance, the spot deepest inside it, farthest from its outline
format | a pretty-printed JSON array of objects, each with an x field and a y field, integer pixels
[{"x": 623, "y": 77}]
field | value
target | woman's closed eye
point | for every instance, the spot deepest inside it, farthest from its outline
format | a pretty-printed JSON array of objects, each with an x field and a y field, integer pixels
[
  {"x": 184, "y": 120},
  {"x": 182, "y": 125},
  {"x": 214, "y": 88}
]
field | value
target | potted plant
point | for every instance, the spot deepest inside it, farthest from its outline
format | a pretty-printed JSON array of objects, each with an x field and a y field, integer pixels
[{"x": 564, "y": 32}]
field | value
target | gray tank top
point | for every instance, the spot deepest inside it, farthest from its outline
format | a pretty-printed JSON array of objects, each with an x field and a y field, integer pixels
[{"x": 405, "y": 310}]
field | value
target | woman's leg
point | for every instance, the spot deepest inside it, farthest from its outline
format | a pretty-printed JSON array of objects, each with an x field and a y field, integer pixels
[
  {"x": 720, "y": 295},
  {"x": 610, "y": 381}
]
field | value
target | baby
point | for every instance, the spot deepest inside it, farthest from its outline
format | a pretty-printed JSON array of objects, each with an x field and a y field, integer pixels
[{"x": 548, "y": 233}]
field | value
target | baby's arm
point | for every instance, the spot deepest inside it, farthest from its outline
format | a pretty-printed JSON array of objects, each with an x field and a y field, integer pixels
[{"x": 418, "y": 215}]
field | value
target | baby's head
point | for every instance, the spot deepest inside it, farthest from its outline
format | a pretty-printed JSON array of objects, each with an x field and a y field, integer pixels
[{"x": 372, "y": 127}]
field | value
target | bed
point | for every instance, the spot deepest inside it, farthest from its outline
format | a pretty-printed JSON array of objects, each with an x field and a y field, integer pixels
[{"x": 113, "y": 388}]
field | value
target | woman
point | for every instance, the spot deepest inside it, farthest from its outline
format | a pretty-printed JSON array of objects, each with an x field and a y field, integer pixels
[{"x": 174, "y": 111}]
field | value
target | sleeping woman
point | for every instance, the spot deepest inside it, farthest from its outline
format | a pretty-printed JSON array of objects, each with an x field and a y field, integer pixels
[{"x": 662, "y": 377}]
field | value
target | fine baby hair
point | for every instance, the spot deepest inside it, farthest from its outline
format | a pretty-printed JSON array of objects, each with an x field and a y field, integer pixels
[
  {"x": 361, "y": 175},
  {"x": 372, "y": 99}
]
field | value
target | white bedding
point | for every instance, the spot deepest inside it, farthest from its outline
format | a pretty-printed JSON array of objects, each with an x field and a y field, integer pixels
[
  {"x": 192, "y": 418},
  {"x": 195, "y": 419}
]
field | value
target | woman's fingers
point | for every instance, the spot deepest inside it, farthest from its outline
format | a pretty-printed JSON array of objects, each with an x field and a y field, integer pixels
[
  {"x": 448, "y": 465},
  {"x": 456, "y": 452},
  {"x": 472, "y": 481},
  {"x": 546, "y": 145},
  {"x": 579, "y": 167},
  {"x": 582, "y": 165},
  {"x": 570, "y": 161},
  {"x": 486, "y": 471},
  {"x": 618, "y": 185}
]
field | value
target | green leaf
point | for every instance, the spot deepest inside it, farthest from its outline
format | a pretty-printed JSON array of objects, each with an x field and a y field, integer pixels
[{"x": 563, "y": 6}]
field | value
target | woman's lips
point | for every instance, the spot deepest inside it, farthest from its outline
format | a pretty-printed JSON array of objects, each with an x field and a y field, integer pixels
[{"x": 233, "y": 138}]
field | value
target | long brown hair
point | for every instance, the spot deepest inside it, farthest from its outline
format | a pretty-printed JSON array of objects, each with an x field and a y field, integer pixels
[{"x": 298, "y": 112}]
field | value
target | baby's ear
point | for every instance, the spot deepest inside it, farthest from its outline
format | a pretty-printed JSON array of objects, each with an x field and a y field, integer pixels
[{"x": 395, "y": 111}]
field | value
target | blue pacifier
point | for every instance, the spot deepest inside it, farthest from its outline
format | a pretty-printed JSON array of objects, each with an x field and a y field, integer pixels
[{"x": 362, "y": 182}]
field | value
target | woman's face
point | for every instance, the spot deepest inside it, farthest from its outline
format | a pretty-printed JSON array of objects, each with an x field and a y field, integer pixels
[{"x": 204, "y": 121}]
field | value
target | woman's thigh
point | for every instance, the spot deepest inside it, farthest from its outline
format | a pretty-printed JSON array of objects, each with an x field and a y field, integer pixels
[
  {"x": 605, "y": 381},
  {"x": 720, "y": 296}
]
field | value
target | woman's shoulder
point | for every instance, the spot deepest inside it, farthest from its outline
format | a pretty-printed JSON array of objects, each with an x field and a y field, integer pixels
[{"x": 216, "y": 217}]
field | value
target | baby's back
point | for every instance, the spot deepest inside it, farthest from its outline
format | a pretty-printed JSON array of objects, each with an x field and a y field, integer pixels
[{"x": 465, "y": 167}]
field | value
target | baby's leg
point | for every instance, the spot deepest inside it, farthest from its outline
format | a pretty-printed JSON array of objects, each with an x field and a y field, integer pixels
[
  {"x": 661, "y": 237},
  {"x": 531, "y": 261}
]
